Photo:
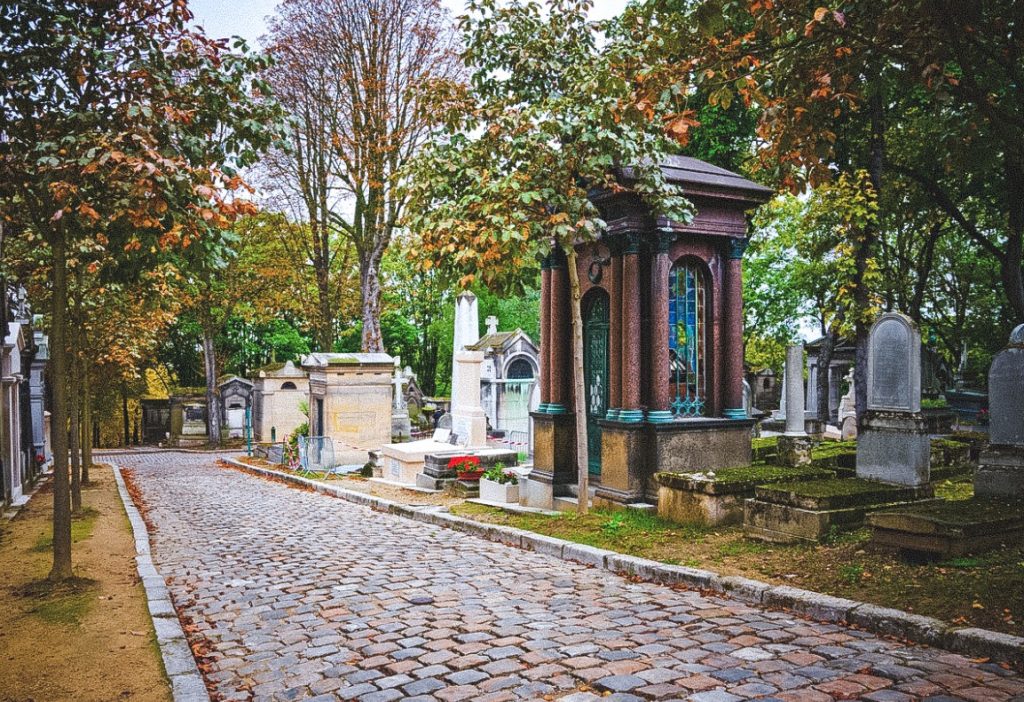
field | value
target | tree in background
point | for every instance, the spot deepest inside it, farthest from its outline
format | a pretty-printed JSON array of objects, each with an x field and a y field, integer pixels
[
  {"x": 121, "y": 125},
  {"x": 349, "y": 73}
]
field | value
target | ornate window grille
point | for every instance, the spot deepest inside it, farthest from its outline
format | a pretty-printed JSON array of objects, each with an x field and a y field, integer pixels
[{"x": 687, "y": 343}]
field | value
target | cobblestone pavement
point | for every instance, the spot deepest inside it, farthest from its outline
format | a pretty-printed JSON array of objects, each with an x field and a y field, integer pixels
[{"x": 305, "y": 596}]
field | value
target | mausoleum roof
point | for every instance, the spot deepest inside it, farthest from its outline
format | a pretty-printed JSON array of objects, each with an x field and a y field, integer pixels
[{"x": 326, "y": 360}]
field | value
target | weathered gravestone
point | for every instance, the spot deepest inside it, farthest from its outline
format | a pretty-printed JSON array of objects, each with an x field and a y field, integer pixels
[
  {"x": 1001, "y": 467},
  {"x": 893, "y": 444}
]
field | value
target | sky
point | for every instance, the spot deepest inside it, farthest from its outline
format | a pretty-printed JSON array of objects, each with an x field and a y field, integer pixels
[{"x": 226, "y": 18}]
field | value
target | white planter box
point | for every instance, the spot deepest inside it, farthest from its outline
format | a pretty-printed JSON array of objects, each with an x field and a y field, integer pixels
[{"x": 491, "y": 491}]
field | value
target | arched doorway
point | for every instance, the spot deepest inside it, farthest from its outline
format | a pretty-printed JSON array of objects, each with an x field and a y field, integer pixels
[{"x": 595, "y": 372}]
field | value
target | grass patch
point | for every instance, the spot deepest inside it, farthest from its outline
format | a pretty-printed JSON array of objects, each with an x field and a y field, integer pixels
[
  {"x": 955, "y": 490},
  {"x": 65, "y": 603},
  {"x": 764, "y": 442},
  {"x": 629, "y": 531},
  {"x": 82, "y": 526},
  {"x": 833, "y": 449}
]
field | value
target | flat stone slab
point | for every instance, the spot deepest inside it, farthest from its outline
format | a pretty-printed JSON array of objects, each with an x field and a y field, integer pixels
[
  {"x": 950, "y": 527},
  {"x": 840, "y": 493}
]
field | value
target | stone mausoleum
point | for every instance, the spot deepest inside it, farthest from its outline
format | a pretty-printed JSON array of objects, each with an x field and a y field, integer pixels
[{"x": 662, "y": 308}]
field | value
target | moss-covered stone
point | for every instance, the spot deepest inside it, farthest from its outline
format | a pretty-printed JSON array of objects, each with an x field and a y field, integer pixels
[
  {"x": 739, "y": 478},
  {"x": 838, "y": 493},
  {"x": 950, "y": 527}
]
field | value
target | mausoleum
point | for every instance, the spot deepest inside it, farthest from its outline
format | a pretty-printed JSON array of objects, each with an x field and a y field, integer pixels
[
  {"x": 280, "y": 392},
  {"x": 662, "y": 313}
]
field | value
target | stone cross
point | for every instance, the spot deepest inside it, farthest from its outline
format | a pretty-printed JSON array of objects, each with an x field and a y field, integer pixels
[
  {"x": 492, "y": 324},
  {"x": 794, "y": 390},
  {"x": 399, "y": 381}
]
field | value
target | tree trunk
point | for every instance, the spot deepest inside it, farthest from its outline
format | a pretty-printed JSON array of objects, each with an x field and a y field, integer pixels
[
  {"x": 861, "y": 295},
  {"x": 124, "y": 415},
  {"x": 325, "y": 328},
  {"x": 369, "y": 294},
  {"x": 87, "y": 430},
  {"x": 578, "y": 390},
  {"x": 1011, "y": 269},
  {"x": 59, "y": 414},
  {"x": 75, "y": 436},
  {"x": 212, "y": 406},
  {"x": 828, "y": 345}
]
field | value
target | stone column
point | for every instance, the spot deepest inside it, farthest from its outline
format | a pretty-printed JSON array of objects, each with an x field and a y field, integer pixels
[
  {"x": 545, "y": 334},
  {"x": 560, "y": 323},
  {"x": 733, "y": 407},
  {"x": 794, "y": 445},
  {"x": 794, "y": 390},
  {"x": 631, "y": 411},
  {"x": 614, "y": 286},
  {"x": 661, "y": 396}
]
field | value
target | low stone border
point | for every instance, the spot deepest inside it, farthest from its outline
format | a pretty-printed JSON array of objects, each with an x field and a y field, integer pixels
[
  {"x": 883, "y": 621},
  {"x": 186, "y": 681}
]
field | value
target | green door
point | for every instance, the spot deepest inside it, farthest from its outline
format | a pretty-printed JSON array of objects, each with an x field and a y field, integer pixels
[{"x": 595, "y": 374}]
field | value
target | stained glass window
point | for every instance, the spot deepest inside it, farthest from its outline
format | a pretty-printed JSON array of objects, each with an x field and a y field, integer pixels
[{"x": 687, "y": 348}]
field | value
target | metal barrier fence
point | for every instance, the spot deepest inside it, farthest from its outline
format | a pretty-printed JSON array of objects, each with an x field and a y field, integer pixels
[
  {"x": 518, "y": 441},
  {"x": 316, "y": 454}
]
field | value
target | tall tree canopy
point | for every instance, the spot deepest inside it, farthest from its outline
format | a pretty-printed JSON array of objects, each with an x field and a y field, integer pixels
[
  {"x": 122, "y": 128},
  {"x": 348, "y": 73}
]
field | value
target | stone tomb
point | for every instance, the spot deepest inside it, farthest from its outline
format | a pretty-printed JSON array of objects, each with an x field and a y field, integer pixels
[
  {"x": 1001, "y": 468},
  {"x": 893, "y": 445},
  {"x": 188, "y": 420},
  {"x": 995, "y": 515},
  {"x": 235, "y": 399},
  {"x": 893, "y": 451},
  {"x": 280, "y": 391},
  {"x": 662, "y": 307},
  {"x": 350, "y": 402}
]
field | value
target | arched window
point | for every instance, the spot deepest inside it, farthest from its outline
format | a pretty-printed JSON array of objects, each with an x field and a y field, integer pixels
[
  {"x": 520, "y": 369},
  {"x": 687, "y": 343},
  {"x": 288, "y": 385}
]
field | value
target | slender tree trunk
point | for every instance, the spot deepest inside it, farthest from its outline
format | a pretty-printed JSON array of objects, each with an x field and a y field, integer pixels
[
  {"x": 87, "y": 430},
  {"x": 369, "y": 293},
  {"x": 75, "y": 436},
  {"x": 212, "y": 406},
  {"x": 59, "y": 414},
  {"x": 124, "y": 415},
  {"x": 924, "y": 270},
  {"x": 828, "y": 345},
  {"x": 325, "y": 328},
  {"x": 861, "y": 295},
  {"x": 578, "y": 391},
  {"x": 1011, "y": 269}
]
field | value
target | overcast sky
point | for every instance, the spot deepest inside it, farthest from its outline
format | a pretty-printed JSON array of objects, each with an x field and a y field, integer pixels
[{"x": 226, "y": 18}]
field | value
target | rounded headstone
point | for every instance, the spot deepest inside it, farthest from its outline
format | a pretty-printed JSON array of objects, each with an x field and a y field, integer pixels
[
  {"x": 894, "y": 364},
  {"x": 1017, "y": 336}
]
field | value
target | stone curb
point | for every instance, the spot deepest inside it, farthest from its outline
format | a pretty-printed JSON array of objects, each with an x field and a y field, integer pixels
[
  {"x": 883, "y": 621},
  {"x": 186, "y": 681}
]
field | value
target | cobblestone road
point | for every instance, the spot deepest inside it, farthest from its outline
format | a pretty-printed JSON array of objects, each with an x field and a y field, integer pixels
[{"x": 305, "y": 596}]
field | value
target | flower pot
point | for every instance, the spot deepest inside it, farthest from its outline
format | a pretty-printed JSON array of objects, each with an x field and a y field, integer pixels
[
  {"x": 493, "y": 491},
  {"x": 469, "y": 474}
]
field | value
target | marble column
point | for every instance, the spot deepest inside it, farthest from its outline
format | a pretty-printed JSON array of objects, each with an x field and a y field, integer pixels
[
  {"x": 794, "y": 390},
  {"x": 733, "y": 407},
  {"x": 614, "y": 286},
  {"x": 545, "y": 334},
  {"x": 560, "y": 324},
  {"x": 661, "y": 396},
  {"x": 631, "y": 411}
]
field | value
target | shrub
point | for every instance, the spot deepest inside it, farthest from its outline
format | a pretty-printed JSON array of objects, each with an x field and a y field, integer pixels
[{"x": 499, "y": 474}]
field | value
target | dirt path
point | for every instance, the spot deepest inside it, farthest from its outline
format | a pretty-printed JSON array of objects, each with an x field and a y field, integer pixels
[{"x": 90, "y": 642}]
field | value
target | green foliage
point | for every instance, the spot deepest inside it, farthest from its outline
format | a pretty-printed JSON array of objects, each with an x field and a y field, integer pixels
[{"x": 500, "y": 474}]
